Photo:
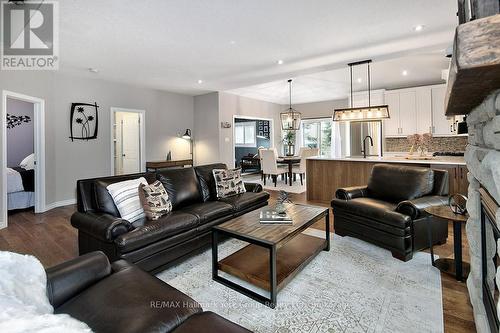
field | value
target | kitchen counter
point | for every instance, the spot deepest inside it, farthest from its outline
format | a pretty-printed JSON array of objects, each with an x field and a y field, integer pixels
[
  {"x": 401, "y": 159},
  {"x": 325, "y": 175}
]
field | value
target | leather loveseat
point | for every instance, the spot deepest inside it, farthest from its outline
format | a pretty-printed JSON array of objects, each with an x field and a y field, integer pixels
[
  {"x": 389, "y": 211},
  {"x": 120, "y": 297},
  {"x": 154, "y": 244}
]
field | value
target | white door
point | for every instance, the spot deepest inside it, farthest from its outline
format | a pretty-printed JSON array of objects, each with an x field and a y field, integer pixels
[
  {"x": 391, "y": 125},
  {"x": 128, "y": 144},
  {"x": 424, "y": 110},
  {"x": 441, "y": 124},
  {"x": 407, "y": 113}
]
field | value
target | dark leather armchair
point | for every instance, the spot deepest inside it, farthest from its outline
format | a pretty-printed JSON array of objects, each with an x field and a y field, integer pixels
[
  {"x": 389, "y": 210},
  {"x": 120, "y": 297}
]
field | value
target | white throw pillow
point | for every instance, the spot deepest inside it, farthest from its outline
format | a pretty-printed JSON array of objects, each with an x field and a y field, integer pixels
[
  {"x": 228, "y": 182},
  {"x": 28, "y": 163},
  {"x": 126, "y": 197}
]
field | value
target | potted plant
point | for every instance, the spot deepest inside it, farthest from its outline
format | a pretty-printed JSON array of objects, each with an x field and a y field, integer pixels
[{"x": 289, "y": 141}]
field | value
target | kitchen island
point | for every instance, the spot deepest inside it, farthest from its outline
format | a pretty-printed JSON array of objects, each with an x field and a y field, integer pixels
[{"x": 327, "y": 174}]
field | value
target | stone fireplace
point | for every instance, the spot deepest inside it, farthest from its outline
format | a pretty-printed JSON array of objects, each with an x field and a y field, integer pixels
[{"x": 483, "y": 162}]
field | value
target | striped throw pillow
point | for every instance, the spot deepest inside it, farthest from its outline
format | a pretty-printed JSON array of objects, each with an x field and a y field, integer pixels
[{"x": 126, "y": 197}]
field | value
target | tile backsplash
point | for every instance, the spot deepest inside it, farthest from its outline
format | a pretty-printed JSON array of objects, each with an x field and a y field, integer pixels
[{"x": 448, "y": 143}]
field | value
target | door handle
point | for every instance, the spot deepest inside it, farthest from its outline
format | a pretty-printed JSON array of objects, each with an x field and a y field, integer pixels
[{"x": 123, "y": 155}]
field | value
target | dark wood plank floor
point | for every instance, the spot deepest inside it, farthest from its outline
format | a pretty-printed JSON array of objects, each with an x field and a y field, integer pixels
[{"x": 50, "y": 237}]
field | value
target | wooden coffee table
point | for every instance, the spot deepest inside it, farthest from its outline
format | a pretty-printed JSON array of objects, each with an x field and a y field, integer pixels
[{"x": 276, "y": 253}]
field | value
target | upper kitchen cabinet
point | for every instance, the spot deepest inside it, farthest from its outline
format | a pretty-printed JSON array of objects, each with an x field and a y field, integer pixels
[{"x": 417, "y": 110}]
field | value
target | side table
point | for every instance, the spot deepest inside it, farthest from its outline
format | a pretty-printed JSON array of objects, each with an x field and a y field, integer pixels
[{"x": 455, "y": 267}]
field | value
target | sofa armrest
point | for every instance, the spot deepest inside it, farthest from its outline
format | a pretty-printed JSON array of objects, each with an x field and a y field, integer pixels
[
  {"x": 70, "y": 278},
  {"x": 415, "y": 208},
  {"x": 253, "y": 187},
  {"x": 348, "y": 193},
  {"x": 102, "y": 226}
]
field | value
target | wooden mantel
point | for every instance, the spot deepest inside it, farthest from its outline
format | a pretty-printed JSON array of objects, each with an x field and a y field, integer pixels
[{"x": 475, "y": 65}]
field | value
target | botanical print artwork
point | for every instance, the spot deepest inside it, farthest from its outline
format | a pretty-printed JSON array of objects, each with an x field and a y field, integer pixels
[
  {"x": 84, "y": 121},
  {"x": 13, "y": 121}
]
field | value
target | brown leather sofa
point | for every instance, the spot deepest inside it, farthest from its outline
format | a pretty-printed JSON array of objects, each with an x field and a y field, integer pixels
[
  {"x": 120, "y": 297},
  {"x": 152, "y": 245},
  {"x": 389, "y": 211}
]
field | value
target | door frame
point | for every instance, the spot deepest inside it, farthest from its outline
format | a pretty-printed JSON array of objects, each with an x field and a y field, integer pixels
[
  {"x": 142, "y": 135},
  {"x": 271, "y": 124},
  {"x": 39, "y": 150}
]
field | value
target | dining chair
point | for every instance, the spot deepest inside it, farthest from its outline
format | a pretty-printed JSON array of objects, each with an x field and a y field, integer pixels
[
  {"x": 301, "y": 168},
  {"x": 270, "y": 167}
]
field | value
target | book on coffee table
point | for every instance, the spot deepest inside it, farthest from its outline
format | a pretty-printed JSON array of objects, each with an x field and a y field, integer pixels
[{"x": 271, "y": 216}]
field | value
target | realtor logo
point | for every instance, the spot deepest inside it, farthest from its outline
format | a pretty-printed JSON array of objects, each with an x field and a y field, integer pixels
[{"x": 29, "y": 35}]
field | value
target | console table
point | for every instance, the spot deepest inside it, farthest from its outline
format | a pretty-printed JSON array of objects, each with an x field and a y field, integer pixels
[{"x": 155, "y": 165}]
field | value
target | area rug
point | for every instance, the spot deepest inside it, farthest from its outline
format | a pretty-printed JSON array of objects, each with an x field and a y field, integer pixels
[
  {"x": 355, "y": 287},
  {"x": 280, "y": 184}
]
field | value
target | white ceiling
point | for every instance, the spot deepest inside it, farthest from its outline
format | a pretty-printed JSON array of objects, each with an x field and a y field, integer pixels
[
  {"x": 230, "y": 44},
  {"x": 421, "y": 69}
]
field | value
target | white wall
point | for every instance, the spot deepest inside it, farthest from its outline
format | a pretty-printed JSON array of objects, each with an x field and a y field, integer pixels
[
  {"x": 320, "y": 109},
  {"x": 167, "y": 114},
  {"x": 206, "y": 128},
  {"x": 232, "y": 105}
]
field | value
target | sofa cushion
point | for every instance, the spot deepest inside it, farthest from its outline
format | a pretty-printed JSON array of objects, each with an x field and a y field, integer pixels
[
  {"x": 131, "y": 301},
  {"x": 246, "y": 200},
  {"x": 228, "y": 182},
  {"x": 103, "y": 200},
  {"x": 182, "y": 186},
  {"x": 147, "y": 232},
  {"x": 398, "y": 183},
  {"x": 154, "y": 200},
  {"x": 207, "y": 181},
  {"x": 373, "y": 209},
  {"x": 209, "y": 211},
  {"x": 209, "y": 322},
  {"x": 125, "y": 194}
]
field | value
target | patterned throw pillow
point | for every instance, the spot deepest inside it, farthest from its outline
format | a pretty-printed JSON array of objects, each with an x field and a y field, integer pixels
[
  {"x": 228, "y": 182},
  {"x": 126, "y": 197},
  {"x": 154, "y": 200}
]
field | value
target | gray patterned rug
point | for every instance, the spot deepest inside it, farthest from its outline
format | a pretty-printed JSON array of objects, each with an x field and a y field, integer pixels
[{"x": 356, "y": 287}]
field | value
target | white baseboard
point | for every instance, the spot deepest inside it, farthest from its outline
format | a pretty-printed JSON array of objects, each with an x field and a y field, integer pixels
[
  {"x": 3, "y": 224},
  {"x": 60, "y": 204}
]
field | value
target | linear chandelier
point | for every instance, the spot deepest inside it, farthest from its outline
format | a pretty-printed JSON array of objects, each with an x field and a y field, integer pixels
[{"x": 366, "y": 113}]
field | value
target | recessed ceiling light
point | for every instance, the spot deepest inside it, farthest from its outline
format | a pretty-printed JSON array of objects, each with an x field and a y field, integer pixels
[
  {"x": 419, "y": 27},
  {"x": 404, "y": 73},
  {"x": 200, "y": 81},
  {"x": 232, "y": 42},
  {"x": 279, "y": 62},
  {"x": 93, "y": 70},
  {"x": 359, "y": 80}
]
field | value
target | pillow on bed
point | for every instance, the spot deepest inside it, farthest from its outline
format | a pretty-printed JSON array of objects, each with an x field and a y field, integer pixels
[{"x": 28, "y": 163}]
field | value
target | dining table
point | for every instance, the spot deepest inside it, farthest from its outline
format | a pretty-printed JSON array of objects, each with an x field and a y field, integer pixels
[{"x": 290, "y": 160}]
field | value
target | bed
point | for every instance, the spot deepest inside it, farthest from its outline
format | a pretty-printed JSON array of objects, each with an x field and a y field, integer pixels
[{"x": 20, "y": 188}]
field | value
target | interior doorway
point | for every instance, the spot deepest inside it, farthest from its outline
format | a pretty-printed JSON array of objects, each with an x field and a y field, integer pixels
[
  {"x": 127, "y": 141},
  {"x": 250, "y": 134},
  {"x": 23, "y": 154}
]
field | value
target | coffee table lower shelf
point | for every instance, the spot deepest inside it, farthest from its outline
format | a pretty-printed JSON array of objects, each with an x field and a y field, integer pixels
[{"x": 253, "y": 264}]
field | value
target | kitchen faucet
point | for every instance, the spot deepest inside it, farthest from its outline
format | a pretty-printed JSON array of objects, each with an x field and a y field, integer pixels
[{"x": 364, "y": 144}]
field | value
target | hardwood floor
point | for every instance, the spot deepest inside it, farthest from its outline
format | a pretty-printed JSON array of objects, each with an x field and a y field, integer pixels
[{"x": 51, "y": 238}]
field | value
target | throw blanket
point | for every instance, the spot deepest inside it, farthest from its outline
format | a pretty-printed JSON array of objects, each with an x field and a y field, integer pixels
[
  {"x": 28, "y": 177},
  {"x": 23, "y": 299},
  {"x": 14, "y": 181}
]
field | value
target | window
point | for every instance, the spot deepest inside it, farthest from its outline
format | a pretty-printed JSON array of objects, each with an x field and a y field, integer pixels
[
  {"x": 245, "y": 134},
  {"x": 317, "y": 133}
]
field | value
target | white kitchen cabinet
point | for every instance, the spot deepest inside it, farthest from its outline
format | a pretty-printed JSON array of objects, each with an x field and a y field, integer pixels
[
  {"x": 424, "y": 110},
  {"x": 391, "y": 125},
  {"x": 441, "y": 125},
  {"x": 407, "y": 113}
]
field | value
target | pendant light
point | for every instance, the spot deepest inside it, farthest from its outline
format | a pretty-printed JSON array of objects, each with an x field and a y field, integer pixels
[
  {"x": 290, "y": 119},
  {"x": 366, "y": 113}
]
